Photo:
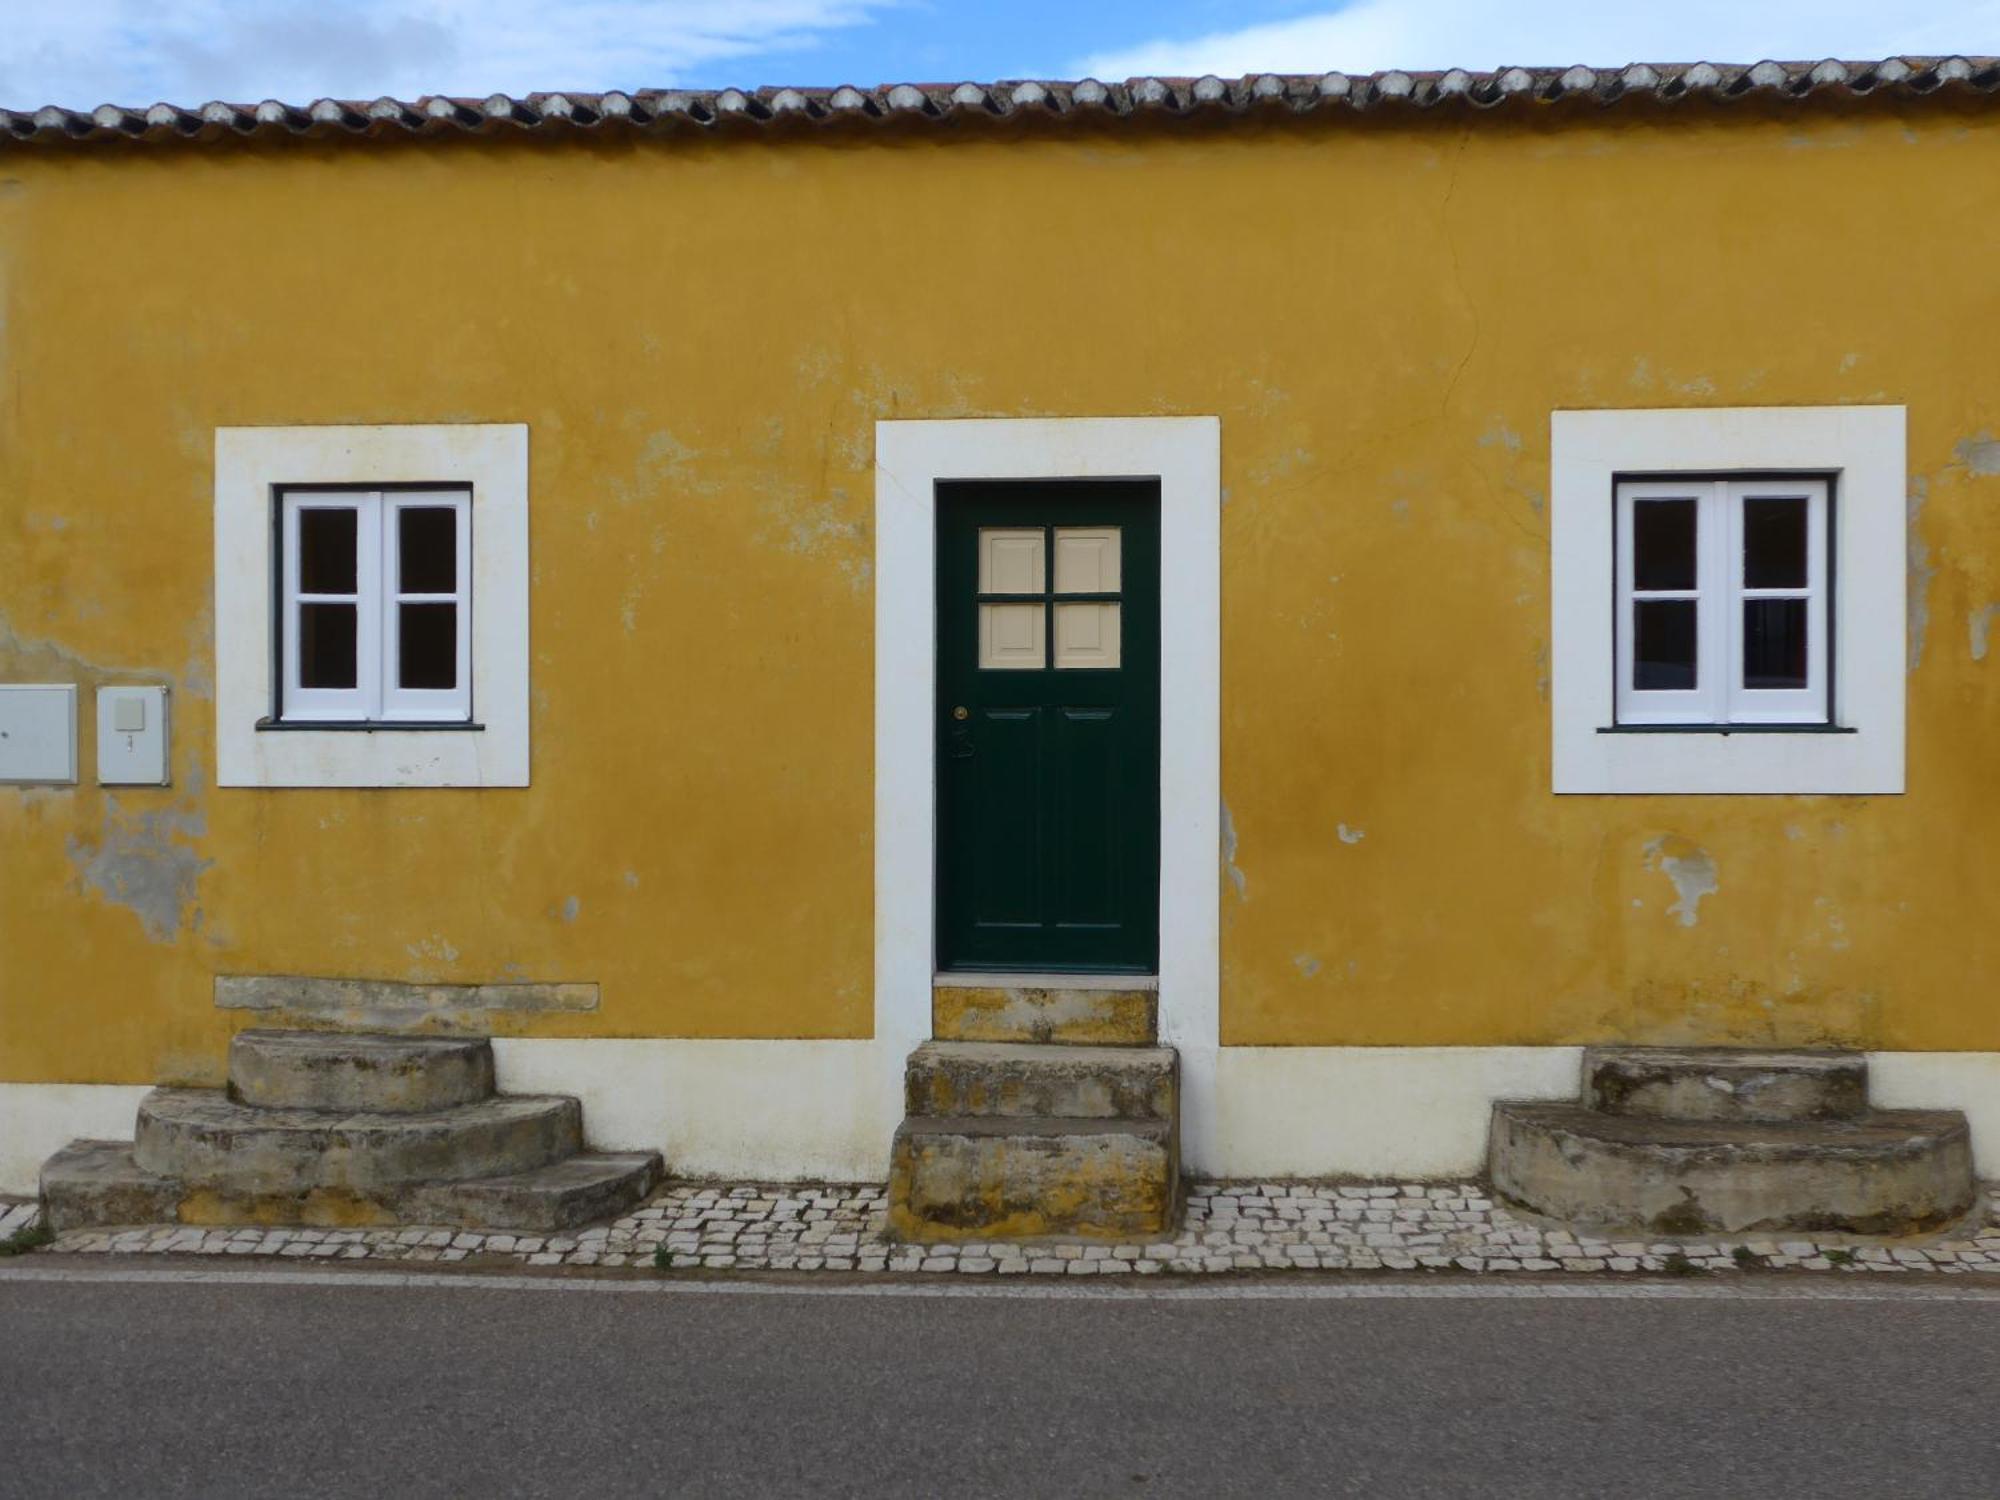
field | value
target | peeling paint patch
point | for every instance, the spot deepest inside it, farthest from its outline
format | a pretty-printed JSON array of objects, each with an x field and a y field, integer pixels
[
  {"x": 148, "y": 864},
  {"x": 571, "y": 909},
  {"x": 1690, "y": 869},
  {"x": 1977, "y": 627},
  {"x": 1500, "y": 435},
  {"x": 1306, "y": 964},
  {"x": 1980, "y": 454},
  {"x": 1350, "y": 835},
  {"x": 1921, "y": 571},
  {"x": 1237, "y": 878},
  {"x": 436, "y": 948}
]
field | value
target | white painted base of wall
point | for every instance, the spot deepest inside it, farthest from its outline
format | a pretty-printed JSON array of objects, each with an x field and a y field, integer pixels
[
  {"x": 39, "y": 1119},
  {"x": 757, "y": 1110},
  {"x": 751, "y": 1110}
]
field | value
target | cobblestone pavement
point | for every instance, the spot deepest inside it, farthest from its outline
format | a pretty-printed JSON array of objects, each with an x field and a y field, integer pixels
[{"x": 1229, "y": 1227}]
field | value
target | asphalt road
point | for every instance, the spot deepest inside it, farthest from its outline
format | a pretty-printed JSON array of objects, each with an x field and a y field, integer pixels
[{"x": 340, "y": 1386}]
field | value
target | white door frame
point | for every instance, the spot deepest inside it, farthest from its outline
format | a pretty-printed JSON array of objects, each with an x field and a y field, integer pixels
[{"x": 1185, "y": 455}]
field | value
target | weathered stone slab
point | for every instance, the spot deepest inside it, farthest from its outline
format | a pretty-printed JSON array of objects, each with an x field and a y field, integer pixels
[
  {"x": 1027, "y": 1080},
  {"x": 1106, "y": 1015},
  {"x": 376, "y": 1005},
  {"x": 202, "y": 1137},
  {"x": 1888, "y": 1172},
  {"x": 93, "y": 1183},
  {"x": 1725, "y": 1083},
  {"x": 987, "y": 1179},
  {"x": 383, "y": 1074}
]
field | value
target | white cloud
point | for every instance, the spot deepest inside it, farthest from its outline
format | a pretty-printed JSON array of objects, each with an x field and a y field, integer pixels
[
  {"x": 1371, "y": 35},
  {"x": 82, "y": 52}
]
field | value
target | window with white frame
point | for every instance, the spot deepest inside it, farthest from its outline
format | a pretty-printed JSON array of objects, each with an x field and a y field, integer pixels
[
  {"x": 1727, "y": 600},
  {"x": 1723, "y": 601},
  {"x": 374, "y": 613},
  {"x": 372, "y": 606}
]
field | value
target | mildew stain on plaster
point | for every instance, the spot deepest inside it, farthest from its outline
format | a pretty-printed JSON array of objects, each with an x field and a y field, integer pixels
[
  {"x": 1977, "y": 626},
  {"x": 1237, "y": 878},
  {"x": 1980, "y": 454},
  {"x": 148, "y": 863},
  {"x": 1690, "y": 869},
  {"x": 1921, "y": 570}
]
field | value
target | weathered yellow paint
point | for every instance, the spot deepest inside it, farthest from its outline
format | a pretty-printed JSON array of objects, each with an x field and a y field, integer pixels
[{"x": 701, "y": 335}]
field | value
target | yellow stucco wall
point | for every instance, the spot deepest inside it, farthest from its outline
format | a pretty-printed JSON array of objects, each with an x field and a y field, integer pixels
[{"x": 702, "y": 334}]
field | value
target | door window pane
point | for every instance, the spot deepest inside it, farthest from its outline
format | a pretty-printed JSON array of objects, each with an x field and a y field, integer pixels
[
  {"x": 1774, "y": 542},
  {"x": 1011, "y": 637},
  {"x": 1011, "y": 561},
  {"x": 1086, "y": 635},
  {"x": 1087, "y": 562},
  {"x": 427, "y": 549},
  {"x": 1663, "y": 544},
  {"x": 1774, "y": 643},
  {"x": 327, "y": 550},
  {"x": 326, "y": 645},
  {"x": 1663, "y": 645},
  {"x": 427, "y": 645}
]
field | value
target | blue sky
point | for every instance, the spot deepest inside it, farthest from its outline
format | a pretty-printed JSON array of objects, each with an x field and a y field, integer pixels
[{"x": 86, "y": 52}]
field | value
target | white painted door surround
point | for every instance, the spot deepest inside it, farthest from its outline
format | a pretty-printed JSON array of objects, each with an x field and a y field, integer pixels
[{"x": 1185, "y": 455}]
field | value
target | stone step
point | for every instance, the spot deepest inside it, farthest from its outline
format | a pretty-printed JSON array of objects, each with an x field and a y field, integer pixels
[
  {"x": 1060, "y": 1010},
  {"x": 1886, "y": 1172},
  {"x": 1027, "y": 1079},
  {"x": 334, "y": 1070},
  {"x": 96, "y": 1183},
  {"x": 1724, "y": 1083},
  {"x": 202, "y": 1137},
  {"x": 986, "y": 1178}
]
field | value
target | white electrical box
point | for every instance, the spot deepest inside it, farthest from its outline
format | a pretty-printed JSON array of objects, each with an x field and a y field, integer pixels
[
  {"x": 132, "y": 736},
  {"x": 38, "y": 732}
]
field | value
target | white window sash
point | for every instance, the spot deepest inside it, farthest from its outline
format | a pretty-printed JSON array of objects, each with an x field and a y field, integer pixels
[
  {"x": 425, "y": 705},
  {"x": 375, "y": 697},
  {"x": 1719, "y": 696},
  {"x": 1807, "y": 705}
]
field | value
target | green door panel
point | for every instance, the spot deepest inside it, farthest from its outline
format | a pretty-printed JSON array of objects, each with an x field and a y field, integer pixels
[{"x": 1048, "y": 777}]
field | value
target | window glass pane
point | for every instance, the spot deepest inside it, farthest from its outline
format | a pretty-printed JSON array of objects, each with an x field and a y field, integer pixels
[
  {"x": 1086, "y": 560},
  {"x": 1086, "y": 634},
  {"x": 326, "y": 645},
  {"x": 1010, "y": 561},
  {"x": 1774, "y": 643},
  {"x": 1010, "y": 637},
  {"x": 427, "y": 549},
  {"x": 1663, "y": 645},
  {"x": 1774, "y": 542},
  {"x": 326, "y": 550},
  {"x": 427, "y": 645},
  {"x": 1663, "y": 535}
]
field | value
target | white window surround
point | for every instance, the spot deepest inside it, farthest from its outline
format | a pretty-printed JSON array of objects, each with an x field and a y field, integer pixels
[
  {"x": 251, "y": 465},
  {"x": 1863, "y": 448},
  {"x": 1185, "y": 455}
]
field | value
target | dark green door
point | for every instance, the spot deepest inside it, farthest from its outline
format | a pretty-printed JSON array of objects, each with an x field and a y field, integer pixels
[{"x": 1048, "y": 699}]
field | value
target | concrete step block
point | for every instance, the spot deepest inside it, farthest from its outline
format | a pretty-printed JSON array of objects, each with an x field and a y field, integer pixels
[
  {"x": 333, "y": 1070},
  {"x": 1885, "y": 1172},
  {"x": 1725, "y": 1083},
  {"x": 1027, "y": 1080},
  {"x": 201, "y": 1136},
  {"x": 97, "y": 1183},
  {"x": 993, "y": 1179},
  {"x": 1045, "y": 1010}
]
